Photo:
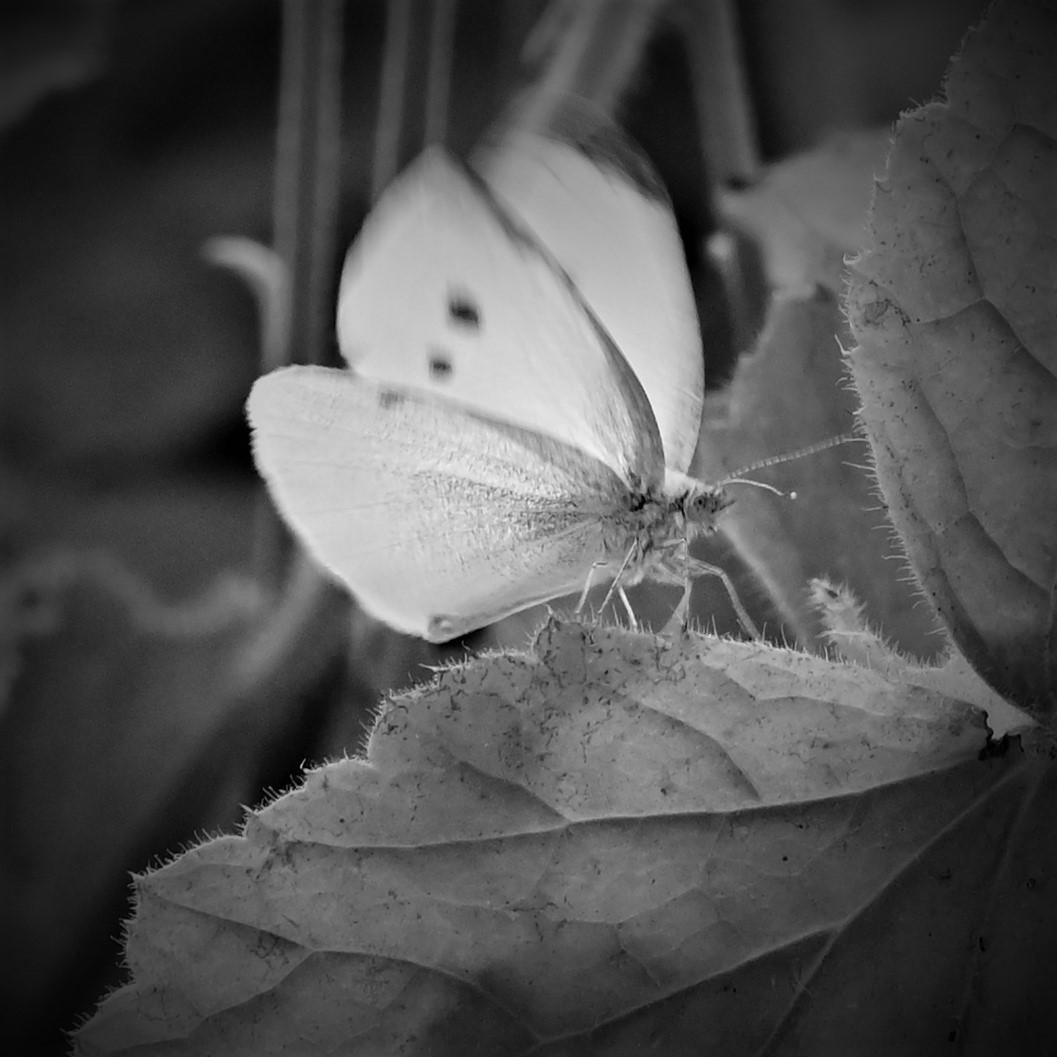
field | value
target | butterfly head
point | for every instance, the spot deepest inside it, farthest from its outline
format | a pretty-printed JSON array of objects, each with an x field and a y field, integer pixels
[
  {"x": 701, "y": 504},
  {"x": 694, "y": 503}
]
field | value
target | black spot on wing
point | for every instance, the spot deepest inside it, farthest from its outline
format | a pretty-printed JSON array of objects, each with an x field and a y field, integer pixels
[
  {"x": 440, "y": 364},
  {"x": 463, "y": 311}
]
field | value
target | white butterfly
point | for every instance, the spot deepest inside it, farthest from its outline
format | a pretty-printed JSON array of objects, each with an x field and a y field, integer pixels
[{"x": 495, "y": 445}]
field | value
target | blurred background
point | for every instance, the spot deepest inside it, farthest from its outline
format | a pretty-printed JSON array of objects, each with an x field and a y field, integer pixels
[{"x": 164, "y": 658}]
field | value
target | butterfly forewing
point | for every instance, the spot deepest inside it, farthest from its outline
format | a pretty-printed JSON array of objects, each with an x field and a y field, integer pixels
[
  {"x": 590, "y": 195},
  {"x": 438, "y": 519},
  {"x": 443, "y": 292}
]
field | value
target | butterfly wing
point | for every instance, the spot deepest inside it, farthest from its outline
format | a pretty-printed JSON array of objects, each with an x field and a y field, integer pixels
[
  {"x": 442, "y": 292},
  {"x": 439, "y": 520},
  {"x": 590, "y": 195}
]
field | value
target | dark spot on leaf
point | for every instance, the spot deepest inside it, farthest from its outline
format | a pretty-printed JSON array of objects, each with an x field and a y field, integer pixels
[
  {"x": 388, "y": 398},
  {"x": 464, "y": 311}
]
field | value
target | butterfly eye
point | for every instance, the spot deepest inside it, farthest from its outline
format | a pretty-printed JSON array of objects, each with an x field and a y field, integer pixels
[
  {"x": 463, "y": 311},
  {"x": 703, "y": 504}
]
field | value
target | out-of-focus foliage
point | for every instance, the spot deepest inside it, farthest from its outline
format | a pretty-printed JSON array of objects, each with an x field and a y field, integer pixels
[
  {"x": 49, "y": 46},
  {"x": 952, "y": 303}
]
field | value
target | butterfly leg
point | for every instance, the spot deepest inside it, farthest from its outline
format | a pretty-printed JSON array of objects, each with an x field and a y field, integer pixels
[
  {"x": 633, "y": 622},
  {"x": 681, "y": 614},
  {"x": 666, "y": 572},
  {"x": 620, "y": 590},
  {"x": 615, "y": 586},
  {"x": 695, "y": 567},
  {"x": 587, "y": 586}
]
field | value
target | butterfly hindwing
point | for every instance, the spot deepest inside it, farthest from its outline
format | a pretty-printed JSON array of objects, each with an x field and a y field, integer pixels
[{"x": 439, "y": 520}]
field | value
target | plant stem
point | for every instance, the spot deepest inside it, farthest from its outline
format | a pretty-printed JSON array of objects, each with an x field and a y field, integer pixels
[
  {"x": 391, "y": 95},
  {"x": 307, "y": 170}
]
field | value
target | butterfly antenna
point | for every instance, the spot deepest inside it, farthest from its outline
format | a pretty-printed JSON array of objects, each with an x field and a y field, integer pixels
[
  {"x": 789, "y": 456},
  {"x": 758, "y": 484}
]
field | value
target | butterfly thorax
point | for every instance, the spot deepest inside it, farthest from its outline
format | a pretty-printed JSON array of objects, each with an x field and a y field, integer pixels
[{"x": 660, "y": 521}]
